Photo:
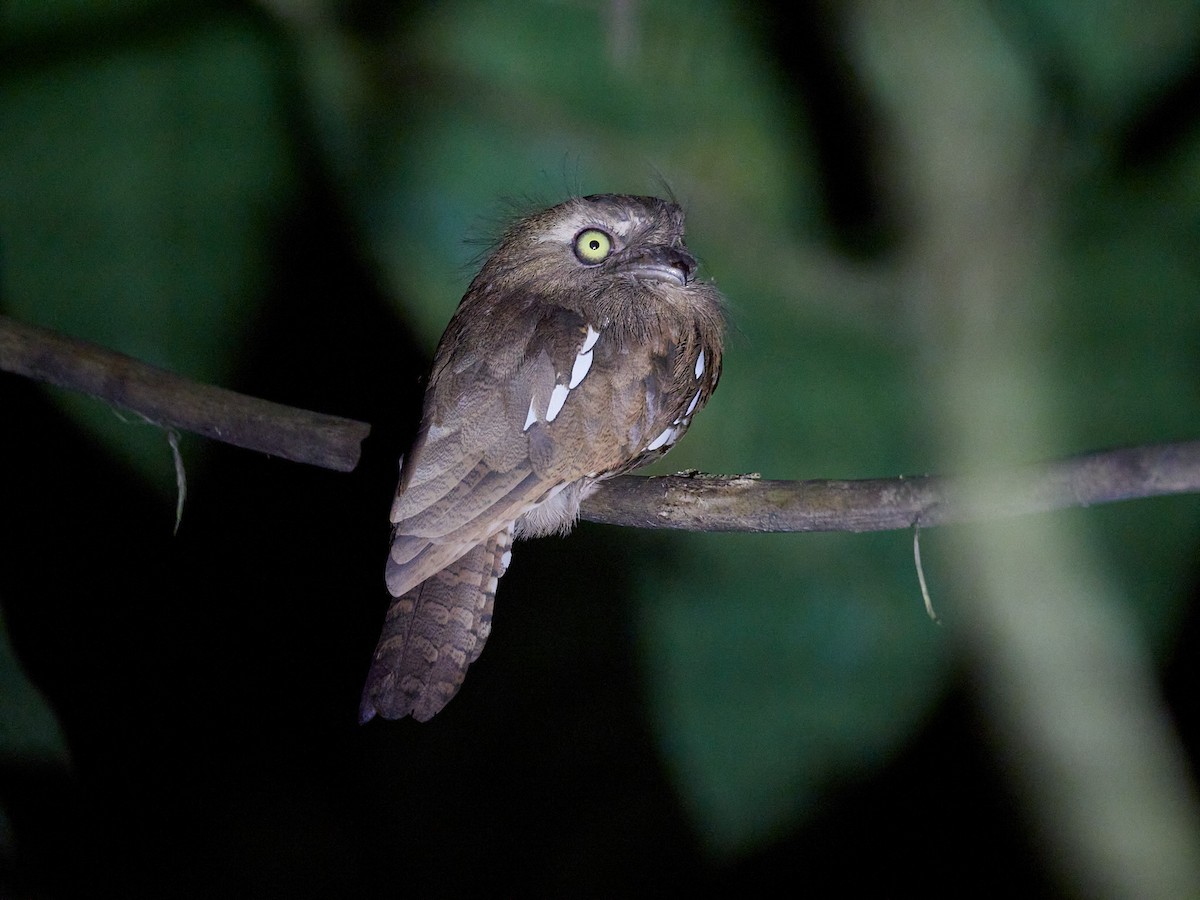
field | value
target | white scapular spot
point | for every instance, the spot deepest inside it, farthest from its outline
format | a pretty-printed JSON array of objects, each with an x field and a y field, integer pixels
[
  {"x": 505, "y": 559},
  {"x": 700, "y": 364},
  {"x": 557, "y": 398},
  {"x": 668, "y": 436},
  {"x": 692, "y": 406},
  {"x": 590, "y": 340},
  {"x": 579, "y": 370},
  {"x": 583, "y": 362}
]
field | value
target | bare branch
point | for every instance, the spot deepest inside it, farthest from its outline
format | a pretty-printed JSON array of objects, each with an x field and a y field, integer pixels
[
  {"x": 683, "y": 502},
  {"x": 710, "y": 503},
  {"x": 174, "y": 402}
]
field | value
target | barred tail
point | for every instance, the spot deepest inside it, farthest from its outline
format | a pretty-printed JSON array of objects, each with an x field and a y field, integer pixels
[{"x": 433, "y": 633}]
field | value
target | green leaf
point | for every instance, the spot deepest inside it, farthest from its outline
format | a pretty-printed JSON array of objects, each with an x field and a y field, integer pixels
[
  {"x": 28, "y": 727},
  {"x": 141, "y": 190},
  {"x": 1110, "y": 57}
]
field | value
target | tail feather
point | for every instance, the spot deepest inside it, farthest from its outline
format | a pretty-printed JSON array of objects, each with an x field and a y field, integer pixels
[{"x": 432, "y": 633}]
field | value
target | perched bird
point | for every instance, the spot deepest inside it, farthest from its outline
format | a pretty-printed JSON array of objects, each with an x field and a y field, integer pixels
[{"x": 581, "y": 350}]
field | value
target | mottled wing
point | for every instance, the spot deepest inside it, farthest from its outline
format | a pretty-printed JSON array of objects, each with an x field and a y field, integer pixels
[
  {"x": 527, "y": 400},
  {"x": 532, "y": 400},
  {"x": 470, "y": 472}
]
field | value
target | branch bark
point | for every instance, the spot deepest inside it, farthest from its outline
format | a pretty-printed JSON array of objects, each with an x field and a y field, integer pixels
[
  {"x": 682, "y": 502},
  {"x": 166, "y": 399},
  {"x": 745, "y": 503}
]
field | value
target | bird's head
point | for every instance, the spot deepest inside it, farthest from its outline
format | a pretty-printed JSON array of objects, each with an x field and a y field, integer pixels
[{"x": 605, "y": 245}]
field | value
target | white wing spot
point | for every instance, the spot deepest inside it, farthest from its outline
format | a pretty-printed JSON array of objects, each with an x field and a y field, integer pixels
[
  {"x": 505, "y": 559},
  {"x": 530, "y": 417},
  {"x": 590, "y": 341},
  {"x": 666, "y": 437},
  {"x": 583, "y": 362},
  {"x": 692, "y": 406},
  {"x": 557, "y": 398},
  {"x": 700, "y": 364}
]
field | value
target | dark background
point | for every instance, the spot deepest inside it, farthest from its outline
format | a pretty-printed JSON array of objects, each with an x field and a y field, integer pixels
[{"x": 185, "y": 721}]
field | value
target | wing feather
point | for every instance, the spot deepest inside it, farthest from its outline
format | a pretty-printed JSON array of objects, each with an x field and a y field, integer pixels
[{"x": 492, "y": 445}]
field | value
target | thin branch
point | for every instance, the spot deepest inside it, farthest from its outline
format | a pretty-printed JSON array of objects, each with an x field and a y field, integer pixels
[
  {"x": 174, "y": 402},
  {"x": 683, "y": 502},
  {"x": 711, "y": 503}
]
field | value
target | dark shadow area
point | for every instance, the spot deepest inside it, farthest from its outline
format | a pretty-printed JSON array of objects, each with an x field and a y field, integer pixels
[{"x": 208, "y": 682}]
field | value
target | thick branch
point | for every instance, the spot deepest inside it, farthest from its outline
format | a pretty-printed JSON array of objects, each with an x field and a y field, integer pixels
[{"x": 689, "y": 503}]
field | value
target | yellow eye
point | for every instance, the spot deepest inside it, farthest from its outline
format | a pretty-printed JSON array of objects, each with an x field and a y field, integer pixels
[{"x": 592, "y": 246}]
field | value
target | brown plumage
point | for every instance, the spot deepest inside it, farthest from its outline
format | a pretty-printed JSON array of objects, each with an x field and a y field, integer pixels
[{"x": 582, "y": 349}]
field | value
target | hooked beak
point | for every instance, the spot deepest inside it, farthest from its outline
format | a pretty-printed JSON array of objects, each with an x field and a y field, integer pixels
[{"x": 661, "y": 264}]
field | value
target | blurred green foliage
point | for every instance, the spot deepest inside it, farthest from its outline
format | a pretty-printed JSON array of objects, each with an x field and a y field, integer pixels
[
  {"x": 142, "y": 176},
  {"x": 28, "y": 729},
  {"x": 140, "y": 188}
]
